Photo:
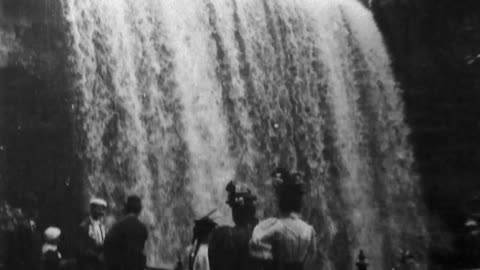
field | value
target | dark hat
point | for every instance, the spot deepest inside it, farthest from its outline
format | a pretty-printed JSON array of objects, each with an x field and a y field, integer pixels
[
  {"x": 133, "y": 204},
  {"x": 239, "y": 195},
  {"x": 288, "y": 181},
  {"x": 205, "y": 223}
]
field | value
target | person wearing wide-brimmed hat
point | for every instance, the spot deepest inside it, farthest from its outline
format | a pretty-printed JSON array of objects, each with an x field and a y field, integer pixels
[
  {"x": 228, "y": 245},
  {"x": 124, "y": 243},
  {"x": 285, "y": 242},
  {"x": 91, "y": 235}
]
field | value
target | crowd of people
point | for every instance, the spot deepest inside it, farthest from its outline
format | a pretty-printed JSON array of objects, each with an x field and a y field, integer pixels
[
  {"x": 284, "y": 242},
  {"x": 120, "y": 248}
]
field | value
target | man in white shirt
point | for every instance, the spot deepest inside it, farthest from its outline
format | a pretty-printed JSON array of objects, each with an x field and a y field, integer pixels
[{"x": 91, "y": 237}]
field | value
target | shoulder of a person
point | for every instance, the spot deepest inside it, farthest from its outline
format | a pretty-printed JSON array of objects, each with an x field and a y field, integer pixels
[
  {"x": 115, "y": 228},
  {"x": 304, "y": 223},
  {"x": 125, "y": 221},
  {"x": 131, "y": 223},
  {"x": 221, "y": 231},
  {"x": 124, "y": 224},
  {"x": 306, "y": 226},
  {"x": 266, "y": 229},
  {"x": 267, "y": 223}
]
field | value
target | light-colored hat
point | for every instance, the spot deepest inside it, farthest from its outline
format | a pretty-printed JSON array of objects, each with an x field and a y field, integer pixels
[
  {"x": 98, "y": 201},
  {"x": 52, "y": 233}
]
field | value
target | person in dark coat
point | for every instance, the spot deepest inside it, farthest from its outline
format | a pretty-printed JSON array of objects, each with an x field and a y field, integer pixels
[
  {"x": 124, "y": 243},
  {"x": 91, "y": 236},
  {"x": 228, "y": 246}
]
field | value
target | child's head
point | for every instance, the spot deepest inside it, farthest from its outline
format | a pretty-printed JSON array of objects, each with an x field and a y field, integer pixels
[{"x": 52, "y": 235}]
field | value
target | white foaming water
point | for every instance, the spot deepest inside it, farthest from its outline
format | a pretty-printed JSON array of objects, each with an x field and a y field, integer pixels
[
  {"x": 210, "y": 164},
  {"x": 178, "y": 97}
]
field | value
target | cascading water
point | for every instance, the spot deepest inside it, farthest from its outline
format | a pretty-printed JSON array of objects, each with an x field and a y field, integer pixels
[{"x": 178, "y": 97}]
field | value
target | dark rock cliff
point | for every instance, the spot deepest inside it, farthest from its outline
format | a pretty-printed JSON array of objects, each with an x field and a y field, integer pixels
[
  {"x": 36, "y": 138},
  {"x": 435, "y": 46}
]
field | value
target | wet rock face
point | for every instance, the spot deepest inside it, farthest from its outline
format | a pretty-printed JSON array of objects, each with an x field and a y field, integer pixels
[
  {"x": 36, "y": 138},
  {"x": 33, "y": 36},
  {"x": 434, "y": 46}
]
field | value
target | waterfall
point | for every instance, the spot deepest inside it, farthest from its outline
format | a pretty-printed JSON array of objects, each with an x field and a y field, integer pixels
[{"x": 177, "y": 97}]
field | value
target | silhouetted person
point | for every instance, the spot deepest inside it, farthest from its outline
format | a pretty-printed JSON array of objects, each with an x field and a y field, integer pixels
[
  {"x": 124, "y": 243},
  {"x": 361, "y": 263},
  {"x": 23, "y": 241},
  {"x": 198, "y": 257},
  {"x": 51, "y": 257},
  {"x": 285, "y": 242},
  {"x": 91, "y": 235},
  {"x": 228, "y": 246}
]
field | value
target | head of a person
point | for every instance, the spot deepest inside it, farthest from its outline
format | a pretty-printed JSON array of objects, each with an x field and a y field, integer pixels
[
  {"x": 133, "y": 205},
  {"x": 52, "y": 235},
  {"x": 242, "y": 202},
  {"x": 202, "y": 228},
  {"x": 98, "y": 208},
  {"x": 289, "y": 189}
]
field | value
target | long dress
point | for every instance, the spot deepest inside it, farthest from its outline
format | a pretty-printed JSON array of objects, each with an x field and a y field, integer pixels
[
  {"x": 199, "y": 257},
  {"x": 228, "y": 248}
]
